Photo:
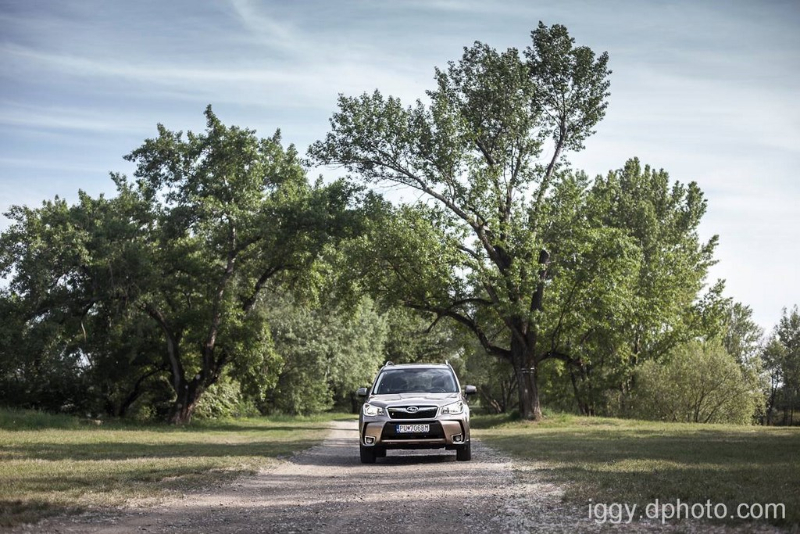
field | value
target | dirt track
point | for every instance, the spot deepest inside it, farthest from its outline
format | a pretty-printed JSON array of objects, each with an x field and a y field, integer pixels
[{"x": 327, "y": 489}]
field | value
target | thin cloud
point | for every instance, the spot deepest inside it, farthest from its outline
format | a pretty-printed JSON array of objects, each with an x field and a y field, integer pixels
[
  {"x": 58, "y": 118},
  {"x": 267, "y": 31}
]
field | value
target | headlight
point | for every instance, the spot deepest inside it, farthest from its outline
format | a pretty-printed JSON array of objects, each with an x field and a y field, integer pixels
[
  {"x": 369, "y": 409},
  {"x": 453, "y": 409}
]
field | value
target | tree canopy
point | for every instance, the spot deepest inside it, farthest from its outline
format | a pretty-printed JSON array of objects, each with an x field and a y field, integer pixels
[
  {"x": 190, "y": 243},
  {"x": 507, "y": 240},
  {"x": 219, "y": 272}
]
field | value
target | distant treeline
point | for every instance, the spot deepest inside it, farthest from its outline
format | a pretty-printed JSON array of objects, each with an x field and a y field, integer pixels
[{"x": 220, "y": 280}]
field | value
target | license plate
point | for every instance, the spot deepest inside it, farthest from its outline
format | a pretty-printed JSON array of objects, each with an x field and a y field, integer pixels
[{"x": 413, "y": 429}]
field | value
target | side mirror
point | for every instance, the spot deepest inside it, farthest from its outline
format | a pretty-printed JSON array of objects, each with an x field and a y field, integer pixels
[
  {"x": 361, "y": 392},
  {"x": 470, "y": 390}
]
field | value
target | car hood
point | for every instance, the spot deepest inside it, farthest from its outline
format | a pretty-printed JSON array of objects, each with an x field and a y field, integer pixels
[{"x": 406, "y": 399}]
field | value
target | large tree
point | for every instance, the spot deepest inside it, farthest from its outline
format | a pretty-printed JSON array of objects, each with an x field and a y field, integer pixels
[
  {"x": 488, "y": 150},
  {"x": 189, "y": 244},
  {"x": 614, "y": 315}
]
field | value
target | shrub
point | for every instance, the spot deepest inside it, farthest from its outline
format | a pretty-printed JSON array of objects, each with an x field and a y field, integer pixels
[
  {"x": 224, "y": 399},
  {"x": 699, "y": 383}
]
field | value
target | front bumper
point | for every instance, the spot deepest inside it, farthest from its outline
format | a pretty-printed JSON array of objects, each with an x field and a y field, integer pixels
[{"x": 443, "y": 433}]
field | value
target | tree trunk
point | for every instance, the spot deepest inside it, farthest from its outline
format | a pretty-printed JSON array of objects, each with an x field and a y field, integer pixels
[
  {"x": 524, "y": 360},
  {"x": 185, "y": 403},
  {"x": 583, "y": 407}
]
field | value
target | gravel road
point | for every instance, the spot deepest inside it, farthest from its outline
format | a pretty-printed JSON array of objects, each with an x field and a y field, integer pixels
[{"x": 327, "y": 489}]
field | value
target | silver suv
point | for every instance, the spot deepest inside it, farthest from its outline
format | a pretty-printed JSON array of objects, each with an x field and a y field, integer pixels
[{"x": 414, "y": 406}]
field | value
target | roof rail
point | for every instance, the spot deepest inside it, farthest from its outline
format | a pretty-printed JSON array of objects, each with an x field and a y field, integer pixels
[{"x": 388, "y": 363}]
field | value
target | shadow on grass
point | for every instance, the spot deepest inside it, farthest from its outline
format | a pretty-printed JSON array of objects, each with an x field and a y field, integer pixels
[
  {"x": 122, "y": 450},
  {"x": 244, "y": 428},
  {"x": 26, "y": 420},
  {"x": 639, "y": 465}
]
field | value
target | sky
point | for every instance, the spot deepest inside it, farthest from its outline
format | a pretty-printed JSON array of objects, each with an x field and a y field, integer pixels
[{"x": 706, "y": 90}]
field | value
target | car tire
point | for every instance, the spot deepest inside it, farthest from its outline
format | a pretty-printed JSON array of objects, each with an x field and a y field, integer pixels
[
  {"x": 367, "y": 454},
  {"x": 380, "y": 452},
  {"x": 464, "y": 453}
]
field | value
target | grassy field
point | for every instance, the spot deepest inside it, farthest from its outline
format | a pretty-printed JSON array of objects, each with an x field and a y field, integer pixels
[
  {"x": 625, "y": 461},
  {"x": 54, "y": 464}
]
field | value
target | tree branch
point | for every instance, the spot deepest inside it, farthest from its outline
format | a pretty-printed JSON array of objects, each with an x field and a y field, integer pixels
[
  {"x": 466, "y": 321},
  {"x": 178, "y": 375}
]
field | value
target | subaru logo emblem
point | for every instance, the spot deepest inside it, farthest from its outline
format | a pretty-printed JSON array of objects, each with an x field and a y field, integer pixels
[{"x": 412, "y": 409}]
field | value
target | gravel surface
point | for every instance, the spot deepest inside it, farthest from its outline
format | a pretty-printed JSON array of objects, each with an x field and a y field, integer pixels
[{"x": 327, "y": 489}]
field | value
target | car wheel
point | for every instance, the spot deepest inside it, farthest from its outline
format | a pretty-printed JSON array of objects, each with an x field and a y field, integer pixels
[
  {"x": 464, "y": 453},
  {"x": 380, "y": 452},
  {"x": 367, "y": 454}
]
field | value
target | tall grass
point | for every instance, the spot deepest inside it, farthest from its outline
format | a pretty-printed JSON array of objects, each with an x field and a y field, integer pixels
[{"x": 14, "y": 419}]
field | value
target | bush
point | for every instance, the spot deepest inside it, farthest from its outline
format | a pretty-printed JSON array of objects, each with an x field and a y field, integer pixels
[
  {"x": 224, "y": 399},
  {"x": 700, "y": 383}
]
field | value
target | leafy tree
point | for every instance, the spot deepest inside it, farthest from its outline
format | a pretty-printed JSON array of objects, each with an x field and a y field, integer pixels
[
  {"x": 122, "y": 358},
  {"x": 54, "y": 300},
  {"x": 326, "y": 352},
  {"x": 225, "y": 399},
  {"x": 773, "y": 357},
  {"x": 208, "y": 221},
  {"x": 781, "y": 358},
  {"x": 475, "y": 151},
  {"x": 700, "y": 383},
  {"x": 742, "y": 336},
  {"x": 615, "y": 312},
  {"x": 37, "y": 370}
]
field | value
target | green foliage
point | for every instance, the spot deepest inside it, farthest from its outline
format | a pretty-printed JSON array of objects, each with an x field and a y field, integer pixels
[
  {"x": 413, "y": 337},
  {"x": 742, "y": 336},
  {"x": 781, "y": 361},
  {"x": 699, "y": 383},
  {"x": 493, "y": 377},
  {"x": 630, "y": 272},
  {"x": 522, "y": 271},
  {"x": 162, "y": 280},
  {"x": 224, "y": 399},
  {"x": 564, "y": 278},
  {"x": 326, "y": 352},
  {"x": 479, "y": 256}
]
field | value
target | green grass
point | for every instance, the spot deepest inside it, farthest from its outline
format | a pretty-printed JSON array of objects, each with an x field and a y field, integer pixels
[
  {"x": 55, "y": 464},
  {"x": 626, "y": 461}
]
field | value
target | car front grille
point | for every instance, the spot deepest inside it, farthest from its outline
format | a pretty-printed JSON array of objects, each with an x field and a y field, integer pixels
[{"x": 422, "y": 412}]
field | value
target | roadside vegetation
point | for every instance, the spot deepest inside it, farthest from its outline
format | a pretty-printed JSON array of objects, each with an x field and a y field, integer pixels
[
  {"x": 62, "y": 464},
  {"x": 608, "y": 460},
  {"x": 222, "y": 279}
]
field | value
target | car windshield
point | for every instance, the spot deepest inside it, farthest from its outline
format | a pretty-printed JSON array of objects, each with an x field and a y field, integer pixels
[{"x": 424, "y": 380}]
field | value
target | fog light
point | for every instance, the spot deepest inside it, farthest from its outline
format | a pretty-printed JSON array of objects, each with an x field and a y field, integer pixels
[
  {"x": 457, "y": 438},
  {"x": 369, "y": 440}
]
